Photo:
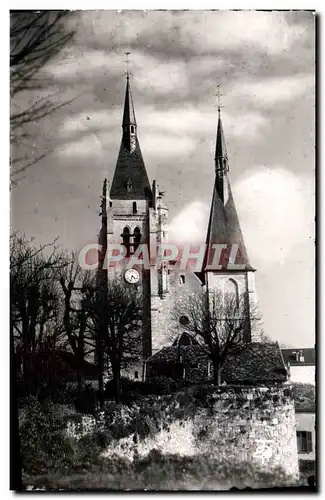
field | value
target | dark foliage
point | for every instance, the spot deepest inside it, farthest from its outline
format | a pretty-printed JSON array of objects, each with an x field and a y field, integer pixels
[
  {"x": 43, "y": 443},
  {"x": 131, "y": 390}
]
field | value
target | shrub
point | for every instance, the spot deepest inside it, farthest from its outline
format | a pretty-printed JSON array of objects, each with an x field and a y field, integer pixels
[
  {"x": 42, "y": 440},
  {"x": 86, "y": 402}
]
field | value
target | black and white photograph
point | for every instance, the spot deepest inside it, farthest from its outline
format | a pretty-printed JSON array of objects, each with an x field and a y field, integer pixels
[{"x": 162, "y": 250}]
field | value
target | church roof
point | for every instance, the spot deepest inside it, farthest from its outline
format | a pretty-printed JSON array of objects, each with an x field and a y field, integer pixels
[
  {"x": 221, "y": 148},
  {"x": 128, "y": 113},
  {"x": 224, "y": 227},
  {"x": 130, "y": 181}
]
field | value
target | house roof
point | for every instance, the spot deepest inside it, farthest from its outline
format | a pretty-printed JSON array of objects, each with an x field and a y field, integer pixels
[
  {"x": 61, "y": 364},
  {"x": 294, "y": 356},
  {"x": 257, "y": 362}
]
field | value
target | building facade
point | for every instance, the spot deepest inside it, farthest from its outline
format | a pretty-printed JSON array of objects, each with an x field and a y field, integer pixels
[
  {"x": 301, "y": 364},
  {"x": 134, "y": 215}
]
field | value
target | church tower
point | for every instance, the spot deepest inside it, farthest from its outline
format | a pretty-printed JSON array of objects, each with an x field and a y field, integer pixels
[
  {"x": 226, "y": 265},
  {"x": 133, "y": 215}
]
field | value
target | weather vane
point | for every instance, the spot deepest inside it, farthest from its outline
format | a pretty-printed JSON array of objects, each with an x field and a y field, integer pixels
[
  {"x": 127, "y": 62},
  {"x": 218, "y": 95}
]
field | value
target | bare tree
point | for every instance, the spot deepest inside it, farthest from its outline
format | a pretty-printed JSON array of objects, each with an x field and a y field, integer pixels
[
  {"x": 34, "y": 296},
  {"x": 35, "y": 38},
  {"x": 221, "y": 323},
  {"x": 77, "y": 286},
  {"x": 117, "y": 315}
]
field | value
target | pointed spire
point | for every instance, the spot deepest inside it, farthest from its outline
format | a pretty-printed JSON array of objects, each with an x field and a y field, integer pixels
[
  {"x": 128, "y": 114},
  {"x": 221, "y": 148},
  {"x": 224, "y": 227},
  {"x": 130, "y": 178}
]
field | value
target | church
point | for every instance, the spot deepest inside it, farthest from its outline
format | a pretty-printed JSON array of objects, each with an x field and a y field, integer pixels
[{"x": 134, "y": 213}]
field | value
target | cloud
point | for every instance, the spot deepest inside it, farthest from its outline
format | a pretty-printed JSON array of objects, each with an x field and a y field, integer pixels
[
  {"x": 276, "y": 211},
  {"x": 166, "y": 145},
  {"x": 198, "y": 31},
  {"x": 161, "y": 132},
  {"x": 149, "y": 73},
  {"x": 88, "y": 146},
  {"x": 270, "y": 91},
  {"x": 76, "y": 62},
  {"x": 190, "y": 225}
]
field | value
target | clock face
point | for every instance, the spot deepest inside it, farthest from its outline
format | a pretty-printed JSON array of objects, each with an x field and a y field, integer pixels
[{"x": 132, "y": 276}]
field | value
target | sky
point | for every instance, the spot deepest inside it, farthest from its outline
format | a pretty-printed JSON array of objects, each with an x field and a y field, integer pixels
[{"x": 264, "y": 63}]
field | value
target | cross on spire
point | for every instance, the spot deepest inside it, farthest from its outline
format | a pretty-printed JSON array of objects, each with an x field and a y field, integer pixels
[
  {"x": 218, "y": 96},
  {"x": 127, "y": 62}
]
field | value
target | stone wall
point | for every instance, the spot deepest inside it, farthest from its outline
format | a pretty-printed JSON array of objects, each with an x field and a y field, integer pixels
[
  {"x": 238, "y": 428},
  {"x": 165, "y": 325}
]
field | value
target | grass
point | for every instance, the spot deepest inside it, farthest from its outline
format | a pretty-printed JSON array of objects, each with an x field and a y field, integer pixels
[{"x": 155, "y": 472}]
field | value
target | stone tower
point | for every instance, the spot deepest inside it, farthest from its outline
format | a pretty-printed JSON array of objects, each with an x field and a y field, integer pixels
[
  {"x": 134, "y": 215},
  {"x": 226, "y": 265}
]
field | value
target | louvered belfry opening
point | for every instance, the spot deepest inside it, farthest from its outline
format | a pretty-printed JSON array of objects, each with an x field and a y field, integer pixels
[{"x": 131, "y": 241}]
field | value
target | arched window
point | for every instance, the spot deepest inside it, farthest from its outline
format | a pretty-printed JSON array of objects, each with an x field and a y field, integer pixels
[
  {"x": 137, "y": 238},
  {"x": 182, "y": 279},
  {"x": 231, "y": 288},
  {"x": 135, "y": 210},
  {"x": 126, "y": 240}
]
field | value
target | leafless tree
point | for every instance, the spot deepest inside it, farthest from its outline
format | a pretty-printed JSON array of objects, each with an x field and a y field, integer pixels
[
  {"x": 222, "y": 324},
  {"x": 117, "y": 315},
  {"x": 77, "y": 286},
  {"x": 35, "y": 38},
  {"x": 34, "y": 297}
]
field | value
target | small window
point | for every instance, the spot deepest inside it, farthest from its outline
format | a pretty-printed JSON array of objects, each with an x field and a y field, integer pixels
[
  {"x": 110, "y": 204},
  {"x": 231, "y": 288},
  {"x": 137, "y": 238},
  {"x": 136, "y": 374},
  {"x": 184, "y": 320},
  {"x": 132, "y": 129},
  {"x": 135, "y": 210},
  {"x": 182, "y": 279},
  {"x": 126, "y": 240},
  {"x": 304, "y": 442}
]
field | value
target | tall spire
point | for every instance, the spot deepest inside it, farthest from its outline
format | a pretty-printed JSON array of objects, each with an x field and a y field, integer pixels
[
  {"x": 221, "y": 148},
  {"x": 128, "y": 114},
  {"x": 221, "y": 155},
  {"x": 130, "y": 179},
  {"x": 224, "y": 227}
]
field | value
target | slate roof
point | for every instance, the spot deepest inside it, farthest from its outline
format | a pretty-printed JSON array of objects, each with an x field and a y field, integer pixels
[
  {"x": 130, "y": 169},
  {"x": 224, "y": 227},
  {"x": 309, "y": 355},
  {"x": 60, "y": 364},
  {"x": 256, "y": 363},
  {"x": 130, "y": 166},
  {"x": 221, "y": 147}
]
